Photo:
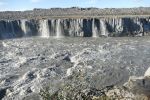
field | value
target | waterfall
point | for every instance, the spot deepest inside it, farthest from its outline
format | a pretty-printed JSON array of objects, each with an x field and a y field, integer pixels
[
  {"x": 7, "y": 29},
  {"x": 81, "y": 25},
  {"x": 94, "y": 29},
  {"x": 103, "y": 28},
  {"x": 119, "y": 27},
  {"x": 77, "y": 27},
  {"x": 44, "y": 28},
  {"x": 52, "y": 28},
  {"x": 58, "y": 29},
  {"x": 23, "y": 27},
  {"x": 12, "y": 29},
  {"x": 74, "y": 27}
]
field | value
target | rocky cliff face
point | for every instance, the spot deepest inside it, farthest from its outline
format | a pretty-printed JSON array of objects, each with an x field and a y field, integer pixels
[{"x": 89, "y": 27}]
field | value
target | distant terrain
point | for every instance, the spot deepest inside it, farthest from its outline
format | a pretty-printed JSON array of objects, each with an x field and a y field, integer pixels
[{"x": 74, "y": 12}]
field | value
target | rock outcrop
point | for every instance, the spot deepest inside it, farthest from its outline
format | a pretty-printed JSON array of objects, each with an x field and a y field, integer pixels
[
  {"x": 71, "y": 27},
  {"x": 140, "y": 85},
  {"x": 75, "y": 22}
]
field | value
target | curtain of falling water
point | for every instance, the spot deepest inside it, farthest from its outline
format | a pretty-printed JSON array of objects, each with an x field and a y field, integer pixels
[
  {"x": 94, "y": 29},
  {"x": 103, "y": 28},
  {"x": 23, "y": 27},
  {"x": 12, "y": 29},
  {"x": 44, "y": 28},
  {"x": 58, "y": 29}
]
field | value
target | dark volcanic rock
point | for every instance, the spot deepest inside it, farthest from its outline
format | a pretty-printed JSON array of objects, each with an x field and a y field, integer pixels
[
  {"x": 2, "y": 93},
  {"x": 80, "y": 27},
  {"x": 75, "y": 22}
]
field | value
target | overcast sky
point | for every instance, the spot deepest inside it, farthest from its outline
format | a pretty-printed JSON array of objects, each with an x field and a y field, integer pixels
[{"x": 30, "y": 4}]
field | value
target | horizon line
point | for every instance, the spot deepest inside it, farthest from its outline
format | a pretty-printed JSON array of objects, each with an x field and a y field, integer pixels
[{"x": 74, "y": 7}]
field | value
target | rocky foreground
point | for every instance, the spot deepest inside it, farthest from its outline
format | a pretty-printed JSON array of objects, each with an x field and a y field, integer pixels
[{"x": 80, "y": 68}]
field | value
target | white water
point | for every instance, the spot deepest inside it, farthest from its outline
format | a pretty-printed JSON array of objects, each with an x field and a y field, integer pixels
[
  {"x": 78, "y": 23},
  {"x": 103, "y": 28},
  {"x": 23, "y": 27},
  {"x": 44, "y": 28},
  {"x": 58, "y": 29},
  {"x": 77, "y": 26},
  {"x": 94, "y": 29}
]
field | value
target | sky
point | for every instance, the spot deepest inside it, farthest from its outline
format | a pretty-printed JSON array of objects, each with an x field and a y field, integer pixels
[{"x": 21, "y": 5}]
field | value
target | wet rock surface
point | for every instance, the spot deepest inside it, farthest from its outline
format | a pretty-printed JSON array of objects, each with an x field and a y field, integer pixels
[
  {"x": 76, "y": 27},
  {"x": 140, "y": 85},
  {"x": 28, "y": 65},
  {"x": 75, "y": 22}
]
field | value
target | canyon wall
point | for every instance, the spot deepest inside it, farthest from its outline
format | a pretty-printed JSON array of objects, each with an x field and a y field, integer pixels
[{"x": 75, "y": 27}]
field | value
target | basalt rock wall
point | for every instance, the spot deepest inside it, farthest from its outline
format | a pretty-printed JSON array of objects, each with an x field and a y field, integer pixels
[{"x": 84, "y": 27}]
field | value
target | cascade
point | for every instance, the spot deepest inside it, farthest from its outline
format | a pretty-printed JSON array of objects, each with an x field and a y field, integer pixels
[
  {"x": 119, "y": 27},
  {"x": 23, "y": 27},
  {"x": 44, "y": 28},
  {"x": 12, "y": 29},
  {"x": 94, "y": 29},
  {"x": 52, "y": 28},
  {"x": 103, "y": 28},
  {"x": 58, "y": 29},
  {"x": 77, "y": 27},
  {"x": 81, "y": 25}
]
